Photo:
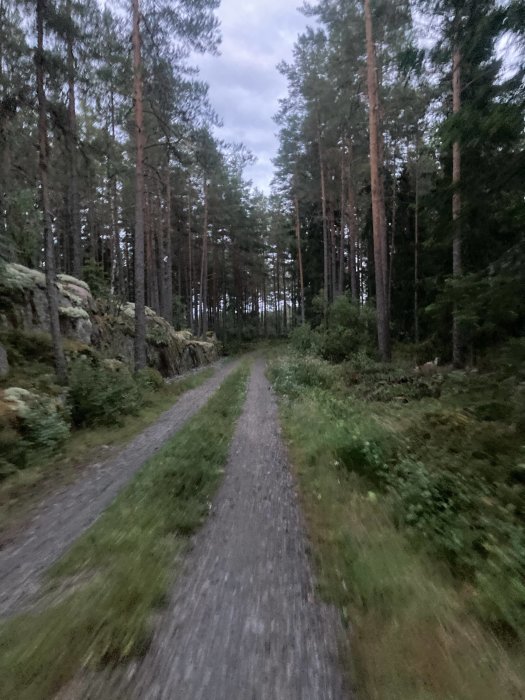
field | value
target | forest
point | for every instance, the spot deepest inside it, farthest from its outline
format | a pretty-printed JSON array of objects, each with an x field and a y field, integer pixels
[
  {"x": 398, "y": 182},
  {"x": 378, "y": 285}
]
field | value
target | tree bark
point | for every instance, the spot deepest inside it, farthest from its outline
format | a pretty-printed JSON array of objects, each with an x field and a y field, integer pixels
[
  {"x": 416, "y": 248},
  {"x": 323, "y": 214},
  {"x": 299, "y": 256},
  {"x": 353, "y": 230},
  {"x": 43, "y": 159},
  {"x": 167, "y": 281},
  {"x": 204, "y": 266},
  {"x": 73, "y": 195},
  {"x": 457, "y": 354},
  {"x": 378, "y": 203},
  {"x": 140, "y": 314},
  {"x": 343, "y": 223}
]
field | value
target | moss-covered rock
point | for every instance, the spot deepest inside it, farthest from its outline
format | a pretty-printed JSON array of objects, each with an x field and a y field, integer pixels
[
  {"x": 4, "y": 363},
  {"x": 107, "y": 327}
]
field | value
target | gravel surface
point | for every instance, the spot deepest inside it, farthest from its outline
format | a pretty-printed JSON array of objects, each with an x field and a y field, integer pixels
[
  {"x": 65, "y": 515},
  {"x": 244, "y": 622}
]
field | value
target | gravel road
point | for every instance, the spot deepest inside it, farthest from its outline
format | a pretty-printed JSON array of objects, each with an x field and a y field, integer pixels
[
  {"x": 244, "y": 622},
  {"x": 65, "y": 515}
]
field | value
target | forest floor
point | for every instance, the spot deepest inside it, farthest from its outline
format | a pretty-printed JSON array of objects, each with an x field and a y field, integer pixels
[
  {"x": 242, "y": 621},
  {"x": 65, "y": 514}
]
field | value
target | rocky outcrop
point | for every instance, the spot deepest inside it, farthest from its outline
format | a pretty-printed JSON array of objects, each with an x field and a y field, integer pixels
[
  {"x": 4, "y": 364},
  {"x": 108, "y": 327}
]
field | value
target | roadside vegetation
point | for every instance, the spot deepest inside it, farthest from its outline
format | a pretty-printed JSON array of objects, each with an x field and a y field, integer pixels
[
  {"x": 47, "y": 432},
  {"x": 413, "y": 486},
  {"x": 97, "y": 609}
]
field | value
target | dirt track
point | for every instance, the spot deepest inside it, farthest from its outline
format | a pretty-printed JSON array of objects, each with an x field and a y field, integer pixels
[
  {"x": 65, "y": 515},
  {"x": 244, "y": 622}
]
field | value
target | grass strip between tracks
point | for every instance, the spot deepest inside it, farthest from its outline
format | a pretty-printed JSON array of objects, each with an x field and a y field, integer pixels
[{"x": 98, "y": 605}]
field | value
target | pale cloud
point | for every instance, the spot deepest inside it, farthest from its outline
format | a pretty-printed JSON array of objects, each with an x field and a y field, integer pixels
[{"x": 245, "y": 86}]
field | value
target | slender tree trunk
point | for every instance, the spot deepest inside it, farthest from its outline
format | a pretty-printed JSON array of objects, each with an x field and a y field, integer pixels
[
  {"x": 140, "y": 314},
  {"x": 43, "y": 160},
  {"x": 353, "y": 226},
  {"x": 333, "y": 248},
  {"x": 167, "y": 278},
  {"x": 457, "y": 354},
  {"x": 285, "y": 309},
  {"x": 343, "y": 223},
  {"x": 204, "y": 266},
  {"x": 393, "y": 238},
  {"x": 190, "y": 268},
  {"x": 117, "y": 272},
  {"x": 378, "y": 203},
  {"x": 416, "y": 248},
  {"x": 73, "y": 195},
  {"x": 323, "y": 214},
  {"x": 299, "y": 255}
]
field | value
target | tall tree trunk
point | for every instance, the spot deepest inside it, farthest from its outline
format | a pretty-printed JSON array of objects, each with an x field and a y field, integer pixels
[
  {"x": 457, "y": 354},
  {"x": 323, "y": 214},
  {"x": 73, "y": 195},
  {"x": 393, "y": 237},
  {"x": 140, "y": 314},
  {"x": 117, "y": 271},
  {"x": 204, "y": 266},
  {"x": 190, "y": 270},
  {"x": 43, "y": 161},
  {"x": 416, "y": 248},
  {"x": 341, "y": 286},
  {"x": 166, "y": 262},
  {"x": 299, "y": 255},
  {"x": 333, "y": 248},
  {"x": 378, "y": 202},
  {"x": 353, "y": 226}
]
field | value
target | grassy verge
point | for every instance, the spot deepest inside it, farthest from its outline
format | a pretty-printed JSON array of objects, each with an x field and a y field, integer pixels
[
  {"x": 414, "y": 634},
  {"x": 20, "y": 491},
  {"x": 110, "y": 582}
]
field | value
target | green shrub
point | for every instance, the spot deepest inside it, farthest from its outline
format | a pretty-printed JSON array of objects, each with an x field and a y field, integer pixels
[
  {"x": 44, "y": 428},
  {"x": 99, "y": 394},
  {"x": 349, "y": 329},
  {"x": 304, "y": 340},
  {"x": 149, "y": 379},
  {"x": 292, "y": 375}
]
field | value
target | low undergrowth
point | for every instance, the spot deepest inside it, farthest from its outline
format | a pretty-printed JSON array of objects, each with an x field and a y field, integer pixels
[
  {"x": 416, "y": 510},
  {"x": 46, "y": 465},
  {"x": 119, "y": 572}
]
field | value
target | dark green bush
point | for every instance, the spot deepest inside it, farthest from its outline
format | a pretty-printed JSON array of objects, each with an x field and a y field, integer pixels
[
  {"x": 149, "y": 379},
  {"x": 349, "y": 329},
  {"x": 44, "y": 428},
  {"x": 305, "y": 340},
  {"x": 99, "y": 394}
]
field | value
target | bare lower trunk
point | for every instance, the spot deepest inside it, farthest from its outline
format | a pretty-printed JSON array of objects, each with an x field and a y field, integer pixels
[
  {"x": 378, "y": 203},
  {"x": 341, "y": 286},
  {"x": 325, "y": 231},
  {"x": 457, "y": 355},
  {"x": 166, "y": 262},
  {"x": 73, "y": 195},
  {"x": 204, "y": 267},
  {"x": 49, "y": 246},
  {"x": 299, "y": 255},
  {"x": 140, "y": 314},
  {"x": 416, "y": 249},
  {"x": 353, "y": 228}
]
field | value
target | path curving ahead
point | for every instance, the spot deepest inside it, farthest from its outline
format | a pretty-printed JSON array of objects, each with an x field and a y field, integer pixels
[
  {"x": 244, "y": 622},
  {"x": 64, "y": 516}
]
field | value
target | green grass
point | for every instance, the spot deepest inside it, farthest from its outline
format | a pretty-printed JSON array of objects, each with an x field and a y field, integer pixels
[
  {"x": 85, "y": 445},
  {"x": 102, "y": 593},
  {"x": 413, "y": 634}
]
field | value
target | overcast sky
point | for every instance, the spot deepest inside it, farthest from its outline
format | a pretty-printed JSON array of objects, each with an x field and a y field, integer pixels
[{"x": 245, "y": 85}]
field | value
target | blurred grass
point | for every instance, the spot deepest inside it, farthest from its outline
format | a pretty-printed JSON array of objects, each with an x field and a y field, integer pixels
[
  {"x": 102, "y": 593},
  {"x": 413, "y": 634},
  {"x": 85, "y": 445}
]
